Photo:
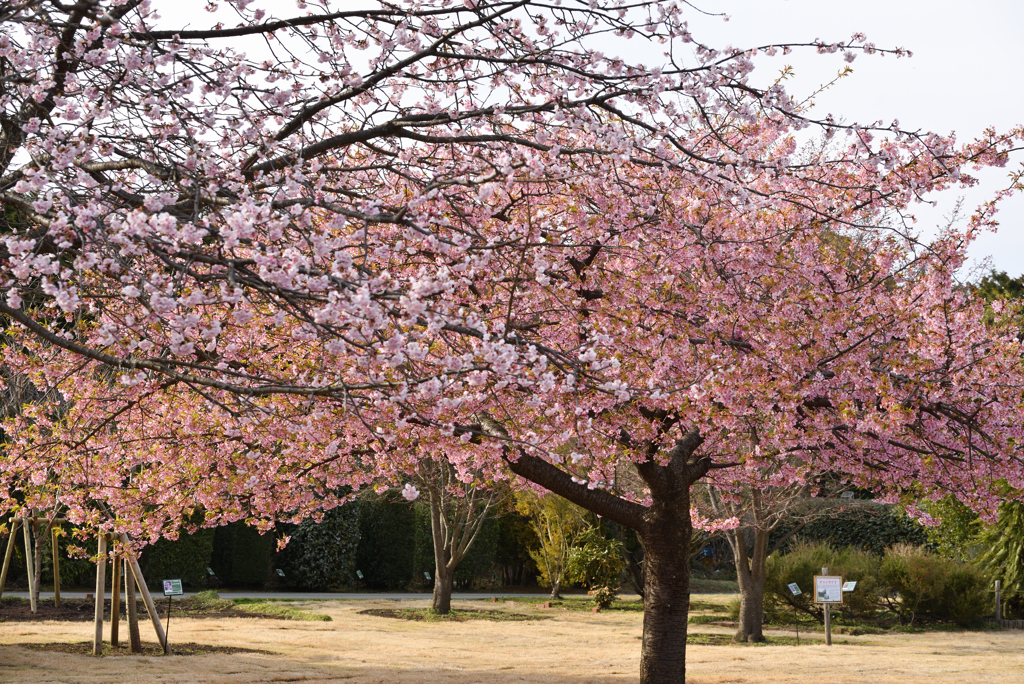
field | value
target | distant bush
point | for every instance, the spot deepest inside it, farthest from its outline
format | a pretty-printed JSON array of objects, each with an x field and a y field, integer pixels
[
  {"x": 916, "y": 584},
  {"x": 908, "y": 582},
  {"x": 242, "y": 556}
]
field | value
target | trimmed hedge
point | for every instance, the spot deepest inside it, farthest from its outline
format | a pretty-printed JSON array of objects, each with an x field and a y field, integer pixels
[
  {"x": 321, "y": 556},
  {"x": 862, "y": 525},
  {"x": 387, "y": 541},
  {"x": 185, "y": 558},
  {"x": 242, "y": 556}
]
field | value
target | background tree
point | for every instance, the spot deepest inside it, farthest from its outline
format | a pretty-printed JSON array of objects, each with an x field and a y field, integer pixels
[
  {"x": 460, "y": 504},
  {"x": 558, "y": 524}
]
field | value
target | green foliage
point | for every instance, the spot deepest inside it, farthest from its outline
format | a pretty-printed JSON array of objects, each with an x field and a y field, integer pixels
[
  {"x": 908, "y": 582},
  {"x": 916, "y": 584},
  {"x": 321, "y": 556},
  {"x": 77, "y": 571},
  {"x": 957, "y": 535},
  {"x": 241, "y": 556},
  {"x": 516, "y": 539},
  {"x": 866, "y": 526},
  {"x": 387, "y": 541},
  {"x": 185, "y": 558},
  {"x": 1003, "y": 555},
  {"x": 557, "y": 523},
  {"x": 598, "y": 564}
]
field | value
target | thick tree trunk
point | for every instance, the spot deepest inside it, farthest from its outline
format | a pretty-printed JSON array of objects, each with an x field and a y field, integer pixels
[
  {"x": 664, "y": 529},
  {"x": 556, "y": 590},
  {"x": 666, "y": 543},
  {"x": 443, "y": 577}
]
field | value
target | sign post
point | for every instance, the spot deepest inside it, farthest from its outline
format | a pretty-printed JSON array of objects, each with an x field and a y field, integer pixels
[
  {"x": 828, "y": 590},
  {"x": 172, "y": 587}
]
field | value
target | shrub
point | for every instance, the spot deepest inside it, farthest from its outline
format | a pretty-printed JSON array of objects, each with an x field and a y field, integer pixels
[
  {"x": 387, "y": 541},
  {"x": 321, "y": 556},
  {"x": 919, "y": 585},
  {"x": 799, "y": 566},
  {"x": 862, "y": 525},
  {"x": 186, "y": 558},
  {"x": 241, "y": 556},
  {"x": 597, "y": 563},
  {"x": 909, "y": 582}
]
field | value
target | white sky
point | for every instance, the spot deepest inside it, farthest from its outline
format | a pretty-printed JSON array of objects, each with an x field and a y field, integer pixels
[{"x": 965, "y": 75}]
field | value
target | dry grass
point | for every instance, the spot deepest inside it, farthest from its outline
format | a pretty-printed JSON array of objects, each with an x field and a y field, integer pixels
[{"x": 570, "y": 648}]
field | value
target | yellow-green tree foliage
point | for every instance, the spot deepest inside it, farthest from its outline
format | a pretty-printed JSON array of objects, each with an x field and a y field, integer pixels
[{"x": 558, "y": 523}]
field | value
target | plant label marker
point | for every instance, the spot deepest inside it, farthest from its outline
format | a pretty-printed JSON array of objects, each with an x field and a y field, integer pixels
[
  {"x": 849, "y": 586},
  {"x": 828, "y": 590},
  {"x": 794, "y": 589},
  {"x": 172, "y": 588}
]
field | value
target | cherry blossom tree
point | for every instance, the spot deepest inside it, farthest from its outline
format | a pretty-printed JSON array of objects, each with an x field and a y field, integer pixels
[{"x": 258, "y": 281}]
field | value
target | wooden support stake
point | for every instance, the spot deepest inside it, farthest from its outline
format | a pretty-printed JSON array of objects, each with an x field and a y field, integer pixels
[
  {"x": 115, "y": 602},
  {"x": 154, "y": 618},
  {"x": 10, "y": 552},
  {"x": 999, "y": 601},
  {"x": 101, "y": 587},
  {"x": 55, "y": 552},
  {"x": 134, "y": 641},
  {"x": 29, "y": 558}
]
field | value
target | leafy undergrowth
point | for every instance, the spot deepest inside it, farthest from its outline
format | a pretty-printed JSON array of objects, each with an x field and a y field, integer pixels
[
  {"x": 464, "y": 615},
  {"x": 148, "y": 649}
]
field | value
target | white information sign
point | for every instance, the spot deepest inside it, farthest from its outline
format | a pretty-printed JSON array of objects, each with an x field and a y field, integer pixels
[
  {"x": 172, "y": 587},
  {"x": 849, "y": 586},
  {"x": 794, "y": 589},
  {"x": 828, "y": 589}
]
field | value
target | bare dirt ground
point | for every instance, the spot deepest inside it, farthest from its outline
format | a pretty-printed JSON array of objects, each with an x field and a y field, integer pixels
[{"x": 571, "y": 647}]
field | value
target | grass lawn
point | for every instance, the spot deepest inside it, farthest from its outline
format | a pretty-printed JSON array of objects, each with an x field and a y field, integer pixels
[{"x": 567, "y": 646}]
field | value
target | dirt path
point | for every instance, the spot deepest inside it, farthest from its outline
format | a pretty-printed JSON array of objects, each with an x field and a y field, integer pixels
[{"x": 569, "y": 648}]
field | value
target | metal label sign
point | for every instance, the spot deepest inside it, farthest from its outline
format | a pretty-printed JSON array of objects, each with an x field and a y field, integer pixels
[
  {"x": 849, "y": 586},
  {"x": 172, "y": 587},
  {"x": 794, "y": 589},
  {"x": 828, "y": 589}
]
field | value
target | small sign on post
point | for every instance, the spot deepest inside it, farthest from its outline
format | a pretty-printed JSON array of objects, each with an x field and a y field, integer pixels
[
  {"x": 359, "y": 574},
  {"x": 280, "y": 572},
  {"x": 828, "y": 590},
  {"x": 427, "y": 575},
  {"x": 849, "y": 586},
  {"x": 172, "y": 587},
  {"x": 794, "y": 589}
]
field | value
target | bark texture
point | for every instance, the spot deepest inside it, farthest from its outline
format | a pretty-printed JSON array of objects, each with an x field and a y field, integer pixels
[{"x": 664, "y": 529}]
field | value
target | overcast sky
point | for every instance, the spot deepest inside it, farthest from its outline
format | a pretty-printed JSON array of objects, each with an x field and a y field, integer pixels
[{"x": 967, "y": 73}]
